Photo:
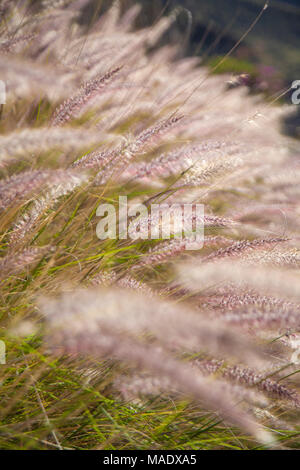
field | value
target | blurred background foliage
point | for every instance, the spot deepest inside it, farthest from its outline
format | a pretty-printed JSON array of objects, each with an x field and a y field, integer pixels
[
  {"x": 216, "y": 26},
  {"x": 269, "y": 54},
  {"x": 211, "y": 28}
]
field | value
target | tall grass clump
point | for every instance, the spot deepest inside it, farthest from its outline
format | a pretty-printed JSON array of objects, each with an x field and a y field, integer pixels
[{"x": 141, "y": 344}]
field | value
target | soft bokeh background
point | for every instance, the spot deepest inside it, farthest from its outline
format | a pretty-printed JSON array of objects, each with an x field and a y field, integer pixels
[
  {"x": 213, "y": 27},
  {"x": 269, "y": 54},
  {"x": 218, "y": 24}
]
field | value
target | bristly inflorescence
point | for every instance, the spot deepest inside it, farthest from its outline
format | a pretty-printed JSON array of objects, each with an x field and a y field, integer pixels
[{"x": 72, "y": 106}]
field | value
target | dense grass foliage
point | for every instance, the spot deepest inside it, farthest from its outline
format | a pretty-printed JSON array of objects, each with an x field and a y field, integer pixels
[{"x": 136, "y": 343}]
